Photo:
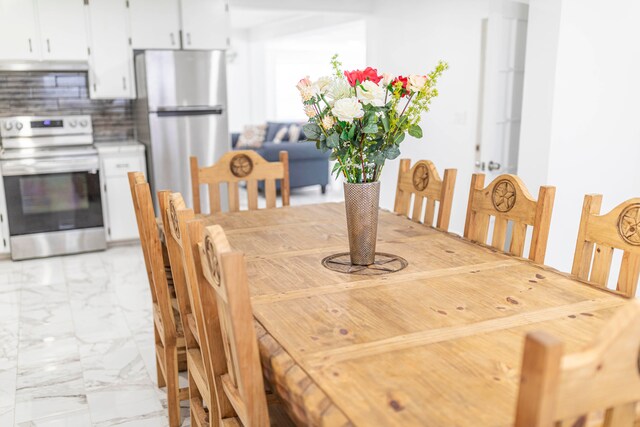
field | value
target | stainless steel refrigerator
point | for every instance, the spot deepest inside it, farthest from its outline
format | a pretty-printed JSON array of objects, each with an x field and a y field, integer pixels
[{"x": 181, "y": 112}]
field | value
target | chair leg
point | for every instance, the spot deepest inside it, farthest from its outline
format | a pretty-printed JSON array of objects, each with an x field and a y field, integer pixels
[
  {"x": 323, "y": 189},
  {"x": 161, "y": 379},
  {"x": 173, "y": 398}
]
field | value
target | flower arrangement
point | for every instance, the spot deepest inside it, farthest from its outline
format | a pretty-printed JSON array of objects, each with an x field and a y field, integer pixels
[{"x": 362, "y": 117}]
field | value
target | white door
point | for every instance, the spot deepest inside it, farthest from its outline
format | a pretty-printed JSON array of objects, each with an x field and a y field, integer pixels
[
  {"x": 155, "y": 24},
  {"x": 19, "y": 39},
  {"x": 111, "y": 57},
  {"x": 504, "y": 46},
  {"x": 63, "y": 34},
  {"x": 205, "y": 24}
]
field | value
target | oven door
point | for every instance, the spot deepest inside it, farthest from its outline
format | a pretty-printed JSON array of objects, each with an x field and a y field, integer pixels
[{"x": 52, "y": 194}]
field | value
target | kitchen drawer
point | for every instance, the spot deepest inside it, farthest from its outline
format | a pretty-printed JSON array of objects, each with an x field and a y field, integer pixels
[{"x": 118, "y": 166}]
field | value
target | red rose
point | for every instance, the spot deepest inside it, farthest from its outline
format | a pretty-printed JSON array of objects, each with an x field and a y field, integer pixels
[
  {"x": 359, "y": 76},
  {"x": 404, "y": 81}
]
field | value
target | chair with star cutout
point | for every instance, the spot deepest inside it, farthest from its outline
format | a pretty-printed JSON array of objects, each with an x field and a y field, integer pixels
[
  {"x": 600, "y": 235},
  {"x": 422, "y": 184},
  {"x": 507, "y": 200}
]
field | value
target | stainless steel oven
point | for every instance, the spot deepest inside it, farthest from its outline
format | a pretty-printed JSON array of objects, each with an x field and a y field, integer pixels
[{"x": 52, "y": 188}]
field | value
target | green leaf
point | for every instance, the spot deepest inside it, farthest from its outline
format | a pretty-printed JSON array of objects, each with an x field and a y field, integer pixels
[
  {"x": 352, "y": 131},
  {"x": 415, "y": 131},
  {"x": 333, "y": 140},
  {"x": 312, "y": 131},
  {"x": 378, "y": 157},
  {"x": 392, "y": 152},
  {"x": 398, "y": 138},
  {"x": 370, "y": 128},
  {"x": 385, "y": 122}
]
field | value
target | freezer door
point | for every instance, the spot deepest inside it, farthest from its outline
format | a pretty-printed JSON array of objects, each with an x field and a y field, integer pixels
[
  {"x": 185, "y": 79},
  {"x": 176, "y": 137}
]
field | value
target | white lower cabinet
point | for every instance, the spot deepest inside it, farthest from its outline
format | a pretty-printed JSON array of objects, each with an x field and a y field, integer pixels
[{"x": 116, "y": 160}]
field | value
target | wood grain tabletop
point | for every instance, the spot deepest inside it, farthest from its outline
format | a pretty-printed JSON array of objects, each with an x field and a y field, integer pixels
[{"x": 438, "y": 343}]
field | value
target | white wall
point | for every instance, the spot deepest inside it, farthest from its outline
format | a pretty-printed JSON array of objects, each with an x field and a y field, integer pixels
[
  {"x": 594, "y": 128},
  {"x": 268, "y": 65},
  {"x": 426, "y": 32},
  {"x": 239, "y": 92}
]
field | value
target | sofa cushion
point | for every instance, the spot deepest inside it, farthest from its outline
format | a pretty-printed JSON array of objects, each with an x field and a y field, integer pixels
[
  {"x": 273, "y": 127},
  {"x": 252, "y": 136}
]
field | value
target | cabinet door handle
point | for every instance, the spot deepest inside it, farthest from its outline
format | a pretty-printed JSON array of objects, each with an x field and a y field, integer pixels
[
  {"x": 48, "y": 46},
  {"x": 173, "y": 40},
  {"x": 30, "y": 46},
  {"x": 188, "y": 38},
  {"x": 124, "y": 83}
]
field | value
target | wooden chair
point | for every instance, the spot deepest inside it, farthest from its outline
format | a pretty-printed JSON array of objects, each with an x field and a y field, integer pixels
[
  {"x": 507, "y": 199},
  {"x": 234, "y": 345},
  {"x": 618, "y": 229},
  {"x": 237, "y": 166},
  {"x": 423, "y": 182},
  {"x": 168, "y": 332},
  {"x": 563, "y": 389},
  {"x": 202, "y": 396}
]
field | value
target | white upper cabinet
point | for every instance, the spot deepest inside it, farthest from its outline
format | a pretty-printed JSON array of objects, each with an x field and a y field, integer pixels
[
  {"x": 111, "y": 57},
  {"x": 63, "y": 35},
  {"x": 205, "y": 24},
  {"x": 155, "y": 24},
  {"x": 19, "y": 39}
]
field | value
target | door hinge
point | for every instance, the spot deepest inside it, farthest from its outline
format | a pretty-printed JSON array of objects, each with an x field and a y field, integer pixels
[
  {"x": 86, "y": 2},
  {"x": 88, "y": 51},
  {"x": 1, "y": 218},
  {"x": 127, "y": 2},
  {"x": 4, "y": 242},
  {"x": 130, "y": 43},
  {"x": 109, "y": 231}
]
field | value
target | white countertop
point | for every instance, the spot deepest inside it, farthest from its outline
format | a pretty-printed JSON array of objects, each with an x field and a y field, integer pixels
[{"x": 128, "y": 145}]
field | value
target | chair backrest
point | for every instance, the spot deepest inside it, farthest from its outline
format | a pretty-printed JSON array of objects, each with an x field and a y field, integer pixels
[
  {"x": 557, "y": 387},
  {"x": 234, "y": 167},
  {"x": 152, "y": 252},
  {"x": 225, "y": 272},
  {"x": 618, "y": 229},
  {"x": 422, "y": 181},
  {"x": 508, "y": 200}
]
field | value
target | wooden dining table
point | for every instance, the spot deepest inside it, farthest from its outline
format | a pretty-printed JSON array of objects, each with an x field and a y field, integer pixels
[{"x": 438, "y": 343}]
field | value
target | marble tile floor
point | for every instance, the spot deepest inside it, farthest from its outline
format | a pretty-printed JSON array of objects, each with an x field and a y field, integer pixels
[{"x": 76, "y": 339}]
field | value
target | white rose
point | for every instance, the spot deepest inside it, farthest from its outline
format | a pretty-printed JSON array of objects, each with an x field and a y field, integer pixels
[
  {"x": 322, "y": 84},
  {"x": 386, "y": 79},
  {"x": 371, "y": 93},
  {"x": 338, "y": 89},
  {"x": 347, "y": 109},
  {"x": 416, "y": 82}
]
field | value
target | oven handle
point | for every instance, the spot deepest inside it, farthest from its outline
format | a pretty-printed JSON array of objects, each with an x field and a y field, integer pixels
[{"x": 51, "y": 165}]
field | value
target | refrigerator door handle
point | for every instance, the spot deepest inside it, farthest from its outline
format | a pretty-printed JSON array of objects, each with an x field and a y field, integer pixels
[{"x": 190, "y": 111}]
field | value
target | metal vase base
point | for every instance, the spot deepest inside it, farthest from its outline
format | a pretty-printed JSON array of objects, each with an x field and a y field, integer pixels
[{"x": 361, "y": 204}]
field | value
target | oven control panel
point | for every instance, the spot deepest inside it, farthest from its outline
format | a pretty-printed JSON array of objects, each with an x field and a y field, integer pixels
[{"x": 34, "y": 126}]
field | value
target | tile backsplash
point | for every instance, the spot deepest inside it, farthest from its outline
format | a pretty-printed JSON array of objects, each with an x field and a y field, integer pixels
[{"x": 34, "y": 93}]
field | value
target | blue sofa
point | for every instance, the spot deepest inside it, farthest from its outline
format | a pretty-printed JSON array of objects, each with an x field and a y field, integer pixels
[{"x": 307, "y": 165}]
